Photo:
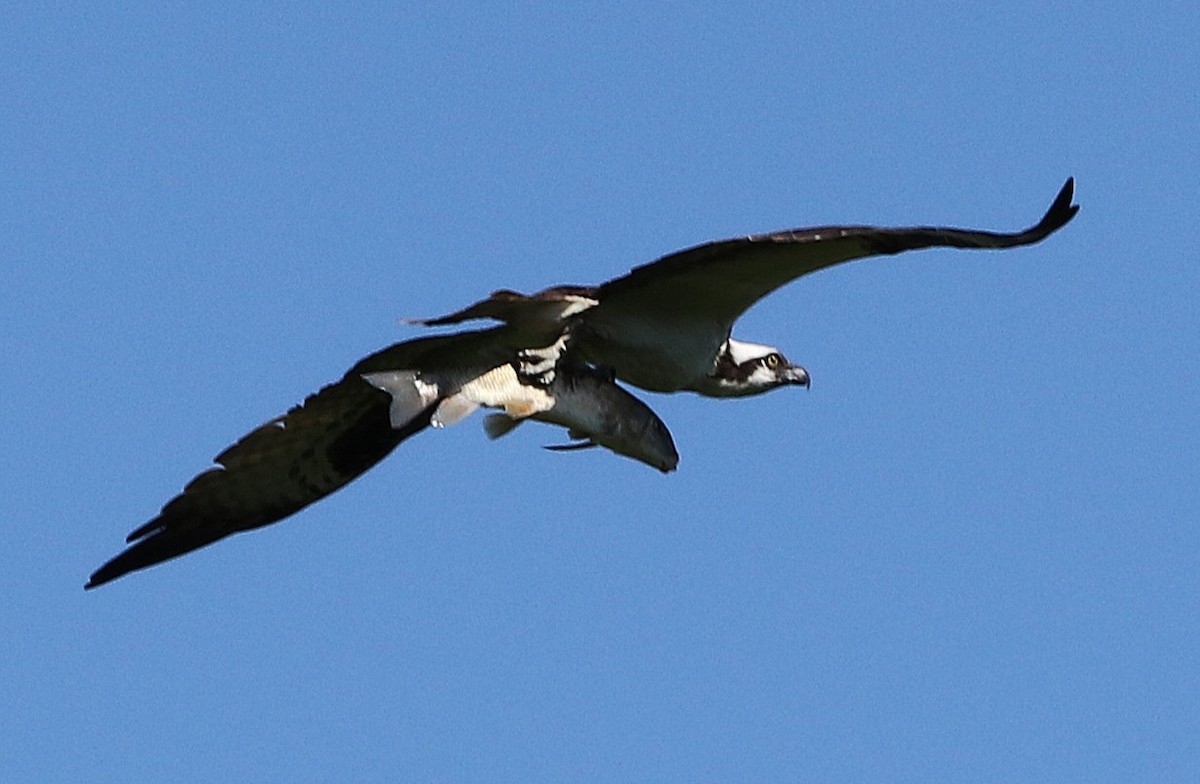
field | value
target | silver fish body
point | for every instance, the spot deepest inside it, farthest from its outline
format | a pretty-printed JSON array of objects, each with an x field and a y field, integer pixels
[{"x": 593, "y": 409}]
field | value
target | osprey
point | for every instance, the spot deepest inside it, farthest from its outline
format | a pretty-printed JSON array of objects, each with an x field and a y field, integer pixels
[{"x": 665, "y": 327}]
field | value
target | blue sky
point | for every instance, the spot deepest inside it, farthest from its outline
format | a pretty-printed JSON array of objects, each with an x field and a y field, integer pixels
[{"x": 968, "y": 553}]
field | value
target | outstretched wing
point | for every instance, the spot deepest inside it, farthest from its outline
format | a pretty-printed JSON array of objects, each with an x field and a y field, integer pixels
[
  {"x": 288, "y": 463},
  {"x": 660, "y": 326},
  {"x": 720, "y": 280},
  {"x": 274, "y": 471}
]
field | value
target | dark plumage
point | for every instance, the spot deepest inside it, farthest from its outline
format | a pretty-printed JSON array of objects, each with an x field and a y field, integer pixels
[{"x": 665, "y": 326}]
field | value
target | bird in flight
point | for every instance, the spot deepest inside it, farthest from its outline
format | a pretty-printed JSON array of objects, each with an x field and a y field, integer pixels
[{"x": 555, "y": 357}]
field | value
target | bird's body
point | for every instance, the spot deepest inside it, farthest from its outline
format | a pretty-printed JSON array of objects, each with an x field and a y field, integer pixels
[{"x": 665, "y": 327}]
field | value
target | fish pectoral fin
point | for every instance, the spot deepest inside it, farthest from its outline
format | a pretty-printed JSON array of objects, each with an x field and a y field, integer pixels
[
  {"x": 581, "y": 441},
  {"x": 497, "y": 425},
  {"x": 571, "y": 447}
]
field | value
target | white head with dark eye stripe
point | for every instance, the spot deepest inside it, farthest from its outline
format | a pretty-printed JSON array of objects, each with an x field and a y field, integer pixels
[{"x": 745, "y": 369}]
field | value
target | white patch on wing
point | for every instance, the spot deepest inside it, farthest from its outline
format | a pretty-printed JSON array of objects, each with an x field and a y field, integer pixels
[
  {"x": 576, "y": 304},
  {"x": 547, "y": 358}
]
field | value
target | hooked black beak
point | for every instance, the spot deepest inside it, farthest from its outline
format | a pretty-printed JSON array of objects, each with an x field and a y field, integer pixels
[{"x": 794, "y": 374}]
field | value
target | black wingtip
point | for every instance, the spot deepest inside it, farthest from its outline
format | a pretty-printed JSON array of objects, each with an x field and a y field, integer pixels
[
  {"x": 114, "y": 568},
  {"x": 1059, "y": 214},
  {"x": 101, "y": 576},
  {"x": 137, "y": 557},
  {"x": 161, "y": 544},
  {"x": 1061, "y": 210}
]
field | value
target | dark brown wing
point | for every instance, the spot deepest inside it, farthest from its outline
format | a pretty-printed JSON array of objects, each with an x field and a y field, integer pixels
[
  {"x": 288, "y": 463},
  {"x": 720, "y": 280},
  {"x": 271, "y": 473}
]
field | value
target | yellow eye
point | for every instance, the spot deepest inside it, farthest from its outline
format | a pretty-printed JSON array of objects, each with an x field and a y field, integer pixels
[{"x": 772, "y": 360}]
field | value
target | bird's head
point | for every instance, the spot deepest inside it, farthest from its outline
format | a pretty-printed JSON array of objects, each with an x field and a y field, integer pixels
[{"x": 744, "y": 369}]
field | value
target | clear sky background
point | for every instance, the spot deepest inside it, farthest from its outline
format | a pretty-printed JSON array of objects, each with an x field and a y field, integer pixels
[{"x": 969, "y": 553}]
